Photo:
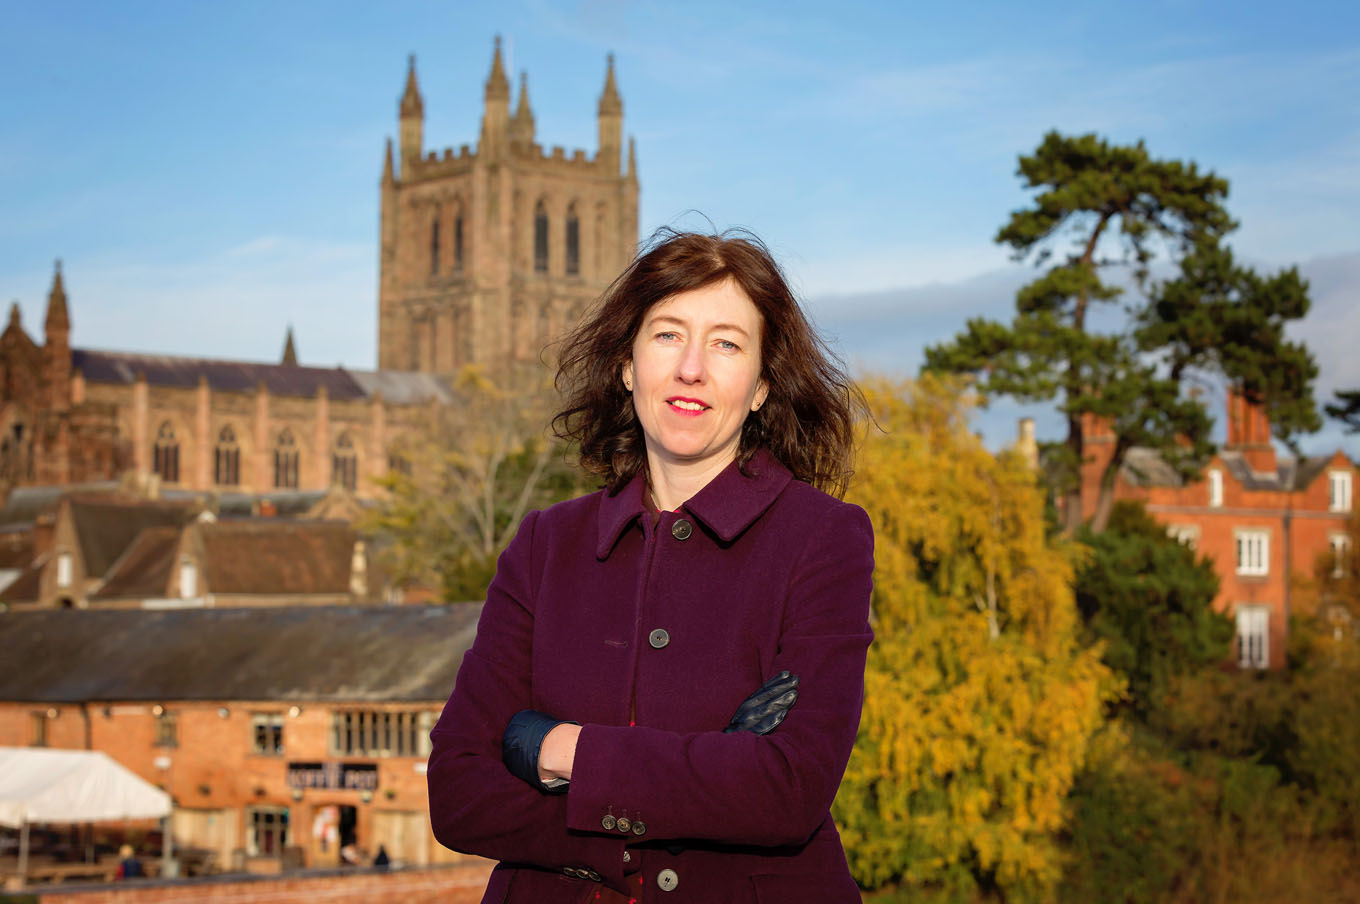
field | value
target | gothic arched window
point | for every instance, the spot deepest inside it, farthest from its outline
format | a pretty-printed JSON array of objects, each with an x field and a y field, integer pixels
[
  {"x": 286, "y": 461},
  {"x": 227, "y": 458},
  {"x": 434, "y": 244},
  {"x": 573, "y": 241},
  {"x": 165, "y": 454},
  {"x": 540, "y": 238},
  {"x": 344, "y": 463},
  {"x": 458, "y": 238}
]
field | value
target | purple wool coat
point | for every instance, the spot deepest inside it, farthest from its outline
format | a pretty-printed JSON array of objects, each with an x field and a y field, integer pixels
[{"x": 650, "y": 636}]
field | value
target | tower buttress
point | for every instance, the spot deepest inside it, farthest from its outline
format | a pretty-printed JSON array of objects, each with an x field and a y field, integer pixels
[
  {"x": 522, "y": 126},
  {"x": 412, "y": 121},
  {"x": 57, "y": 345},
  {"x": 496, "y": 117},
  {"x": 610, "y": 122}
]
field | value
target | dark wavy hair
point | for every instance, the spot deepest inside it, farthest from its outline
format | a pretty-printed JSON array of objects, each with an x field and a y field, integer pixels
[{"x": 808, "y": 420}]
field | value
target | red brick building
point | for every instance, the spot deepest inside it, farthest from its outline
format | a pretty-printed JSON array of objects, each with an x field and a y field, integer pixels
[
  {"x": 280, "y": 734},
  {"x": 1263, "y": 520}
]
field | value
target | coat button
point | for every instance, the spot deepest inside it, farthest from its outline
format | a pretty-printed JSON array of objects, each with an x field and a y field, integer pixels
[
  {"x": 659, "y": 638},
  {"x": 639, "y": 827},
  {"x": 627, "y": 857},
  {"x": 608, "y": 823},
  {"x": 624, "y": 824},
  {"x": 681, "y": 529},
  {"x": 667, "y": 880}
]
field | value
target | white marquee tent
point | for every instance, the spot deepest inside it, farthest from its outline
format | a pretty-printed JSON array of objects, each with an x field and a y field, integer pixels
[{"x": 39, "y": 785}]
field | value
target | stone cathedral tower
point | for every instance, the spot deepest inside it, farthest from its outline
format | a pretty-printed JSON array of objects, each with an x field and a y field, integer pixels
[{"x": 488, "y": 255}]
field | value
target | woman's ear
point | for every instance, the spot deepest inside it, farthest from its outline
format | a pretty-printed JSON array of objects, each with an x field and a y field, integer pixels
[
  {"x": 762, "y": 393},
  {"x": 628, "y": 375}
]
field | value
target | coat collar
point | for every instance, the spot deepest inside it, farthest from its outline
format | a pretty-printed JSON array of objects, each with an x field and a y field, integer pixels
[{"x": 730, "y": 503}]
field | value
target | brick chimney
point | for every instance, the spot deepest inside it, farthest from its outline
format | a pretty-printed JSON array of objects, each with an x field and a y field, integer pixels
[{"x": 1249, "y": 432}]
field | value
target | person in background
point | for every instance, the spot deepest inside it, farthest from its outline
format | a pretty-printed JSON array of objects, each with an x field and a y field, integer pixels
[
  {"x": 624, "y": 726},
  {"x": 129, "y": 867}
]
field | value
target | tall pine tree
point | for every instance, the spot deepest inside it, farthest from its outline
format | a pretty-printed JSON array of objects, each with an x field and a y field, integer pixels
[{"x": 1098, "y": 208}]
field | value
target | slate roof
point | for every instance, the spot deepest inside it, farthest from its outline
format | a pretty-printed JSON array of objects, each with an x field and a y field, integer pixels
[
  {"x": 311, "y": 653},
  {"x": 105, "y": 528},
  {"x": 276, "y": 556},
  {"x": 23, "y": 505},
  {"x": 1146, "y": 468},
  {"x": 398, "y": 387},
  {"x": 224, "y": 376},
  {"x": 143, "y": 571},
  {"x": 1291, "y": 474},
  {"x": 403, "y": 387}
]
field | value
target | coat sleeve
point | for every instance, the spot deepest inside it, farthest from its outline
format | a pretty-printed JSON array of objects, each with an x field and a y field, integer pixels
[
  {"x": 476, "y": 805},
  {"x": 742, "y": 788}
]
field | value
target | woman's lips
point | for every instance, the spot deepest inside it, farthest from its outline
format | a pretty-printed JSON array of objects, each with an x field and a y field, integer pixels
[{"x": 686, "y": 407}]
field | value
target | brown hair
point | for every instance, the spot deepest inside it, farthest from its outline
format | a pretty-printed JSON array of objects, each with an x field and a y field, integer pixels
[{"x": 807, "y": 421}]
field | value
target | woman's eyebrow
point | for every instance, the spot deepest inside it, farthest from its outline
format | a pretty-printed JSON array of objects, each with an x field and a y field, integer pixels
[{"x": 670, "y": 318}]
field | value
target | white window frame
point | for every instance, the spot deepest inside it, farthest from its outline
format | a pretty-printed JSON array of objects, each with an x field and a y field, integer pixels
[
  {"x": 1215, "y": 478},
  {"x": 65, "y": 569},
  {"x": 1339, "y": 486},
  {"x": 1341, "y": 549},
  {"x": 1185, "y": 534},
  {"x": 188, "y": 578},
  {"x": 1253, "y": 637},
  {"x": 1252, "y": 551}
]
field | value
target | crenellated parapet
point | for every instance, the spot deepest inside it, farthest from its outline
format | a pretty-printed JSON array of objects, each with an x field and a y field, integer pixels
[{"x": 489, "y": 252}]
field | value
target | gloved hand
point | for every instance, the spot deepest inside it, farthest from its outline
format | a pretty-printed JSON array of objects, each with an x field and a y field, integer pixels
[
  {"x": 762, "y": 712},
  {"x": 521, "y": 743}
]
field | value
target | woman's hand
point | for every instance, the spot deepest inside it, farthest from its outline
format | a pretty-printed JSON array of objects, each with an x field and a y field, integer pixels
[
  {"x": 558, "y": 753},
  {"x": 525, "y": 741},
  {"x": 762, "y": 712},
  {"x": 541, "y": 750}
]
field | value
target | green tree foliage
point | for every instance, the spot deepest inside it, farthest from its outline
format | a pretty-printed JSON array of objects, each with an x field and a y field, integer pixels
[
  {"x": 980, "y": 700},
  {"x": 1346, "y": 409},
  {"x": 1150, "y": 601},
  {"x": 1097, "y": 207},
  {"x": 468, "y": 476}
]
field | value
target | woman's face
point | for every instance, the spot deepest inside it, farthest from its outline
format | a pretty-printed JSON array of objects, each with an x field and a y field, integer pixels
[{"x": 695, "y": 375}]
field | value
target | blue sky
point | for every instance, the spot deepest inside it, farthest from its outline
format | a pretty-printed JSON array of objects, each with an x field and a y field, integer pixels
[{"x": 208, "y": 171}]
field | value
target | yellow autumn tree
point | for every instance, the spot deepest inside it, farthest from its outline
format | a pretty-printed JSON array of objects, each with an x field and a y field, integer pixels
[{"x": 980, "y": 700}]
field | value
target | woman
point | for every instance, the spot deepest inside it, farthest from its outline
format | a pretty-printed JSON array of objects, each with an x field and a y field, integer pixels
[{"x": 646, "y": 613}]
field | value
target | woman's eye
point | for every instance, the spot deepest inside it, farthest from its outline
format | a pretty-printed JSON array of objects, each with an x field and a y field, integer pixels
[
  {"x": 668, "y": 336},
  {"x": 728, "y": 345}
]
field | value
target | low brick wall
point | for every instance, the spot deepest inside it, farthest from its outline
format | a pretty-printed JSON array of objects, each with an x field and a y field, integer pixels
[{"x": 457, "y": 884}]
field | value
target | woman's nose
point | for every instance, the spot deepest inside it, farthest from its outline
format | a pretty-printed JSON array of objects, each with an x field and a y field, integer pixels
[{"x": 691, "y": 365}]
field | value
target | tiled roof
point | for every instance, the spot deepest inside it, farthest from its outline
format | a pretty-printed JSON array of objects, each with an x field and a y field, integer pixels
[
  {"x": 26, "y": 587},
  {"x": 313, "y": 653},
  {"x": 276, "y": 556},
  {"x": 105, "y": 528},
  {"x": 143, "y": 571},
  {"x": 16, "y": 549}
]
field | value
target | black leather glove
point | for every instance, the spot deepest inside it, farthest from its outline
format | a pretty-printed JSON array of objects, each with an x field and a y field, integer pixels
[
  {"x": 521, "y": 743},
  {"x": 762, "y": 712}
]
